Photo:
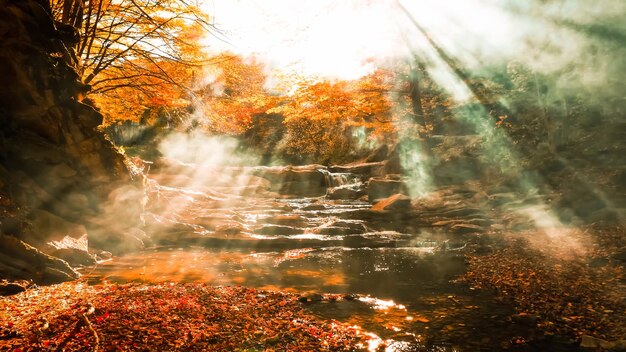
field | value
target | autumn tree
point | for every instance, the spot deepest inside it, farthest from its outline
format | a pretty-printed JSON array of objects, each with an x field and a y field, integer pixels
[
  {"x": 375, "y": 107},
  {"x": 134, "y": 54},
  {"x": 323, "y": 119},
  {"x": 232, "y": 92}
]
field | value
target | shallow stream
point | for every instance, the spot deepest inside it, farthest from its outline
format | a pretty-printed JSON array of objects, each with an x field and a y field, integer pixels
[{"x": 399, "y": 286}]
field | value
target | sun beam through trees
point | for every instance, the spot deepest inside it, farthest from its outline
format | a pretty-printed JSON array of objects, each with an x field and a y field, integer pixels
[{"x": 359, "y": 175}]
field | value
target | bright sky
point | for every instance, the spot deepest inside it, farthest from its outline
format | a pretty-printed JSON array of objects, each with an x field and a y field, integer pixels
[
  {"x": 335, "y": 38},
  {"x": 321, "y": 37}
]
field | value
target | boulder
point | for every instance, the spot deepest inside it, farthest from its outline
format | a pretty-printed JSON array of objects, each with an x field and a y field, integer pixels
[
  {"x": 301, "y": 189},
  {"x": 74, "y": 257},
  {"x": 395, "y": 202},
  {"x": 306, "y": 181},
  {"x": 345, "y": 193},
  {"x": 378, "y": 188},
  {"x": 10, "y": 288},
  {"x": 73, "y": 250},
  {"x": 19, "y": 260},
  {"x": 117, "y": 242},
  {"x": 45, "y": 225},
  {"x": 368, "y": 169}
]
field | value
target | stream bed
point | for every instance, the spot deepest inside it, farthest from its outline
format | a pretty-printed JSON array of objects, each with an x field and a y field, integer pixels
[{"x": 400, "y": 286}]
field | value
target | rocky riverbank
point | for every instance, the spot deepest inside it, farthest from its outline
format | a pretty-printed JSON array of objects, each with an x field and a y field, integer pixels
[{"x": 62, "y": 183}]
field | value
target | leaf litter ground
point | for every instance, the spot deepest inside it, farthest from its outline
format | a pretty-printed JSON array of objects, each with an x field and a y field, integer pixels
[
  {"x": 165, "y": 317},
  {"x": 563, "y": 290}
]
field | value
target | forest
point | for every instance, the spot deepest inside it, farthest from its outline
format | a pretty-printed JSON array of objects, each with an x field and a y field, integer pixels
[{"x": 366, "y": 175}]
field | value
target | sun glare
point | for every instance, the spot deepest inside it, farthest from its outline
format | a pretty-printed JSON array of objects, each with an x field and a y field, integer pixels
[
  {"x": 321, "y": 38},
  {"x": 339, "y": 39}
]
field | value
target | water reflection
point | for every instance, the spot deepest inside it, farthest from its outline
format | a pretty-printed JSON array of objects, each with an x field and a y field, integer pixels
[
  {"x": 402, "y": 294},
  {"x": 394, "y": 273}
]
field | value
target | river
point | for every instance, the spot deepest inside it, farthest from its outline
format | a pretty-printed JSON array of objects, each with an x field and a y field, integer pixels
[{"x": 383, "y": 271}]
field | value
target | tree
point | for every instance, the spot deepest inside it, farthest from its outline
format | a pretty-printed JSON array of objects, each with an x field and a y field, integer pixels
[
  {"x": 134, "y": 54},
  {"x": 233, "y": 93},
  {"x": 323, "y": 117}
]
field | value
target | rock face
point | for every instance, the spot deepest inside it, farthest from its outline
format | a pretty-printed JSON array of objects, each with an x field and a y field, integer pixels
[
  {"x": 384, "y": 187},
  {"x": 20, "y": 260},
  {"x": 59, "y": 176},
  {"x": 303, "y": 181},
  {"x": 367, "y": 169},
  {"x": 395, "y": 202}
]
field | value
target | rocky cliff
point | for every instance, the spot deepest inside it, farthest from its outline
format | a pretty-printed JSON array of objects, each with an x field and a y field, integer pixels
[{"x": 65, "y": 191}]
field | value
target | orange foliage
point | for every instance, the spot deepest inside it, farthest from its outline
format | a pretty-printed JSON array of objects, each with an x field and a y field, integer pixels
[
  {"x": 137, "y": 56},
  {"x": 324, "y": 114},
  {"x": 234, "y": 93}
]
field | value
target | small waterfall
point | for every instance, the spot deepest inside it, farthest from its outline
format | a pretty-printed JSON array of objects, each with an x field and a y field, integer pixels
[{"x": 339, "y": 179}]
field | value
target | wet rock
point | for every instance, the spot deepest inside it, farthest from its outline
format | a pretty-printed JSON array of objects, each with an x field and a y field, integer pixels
[
  {"x": 19, "y": 260},
  {"x": 80, "y": 243},
  {"x": 395, "y": 202},
  {"x": 313, "y": 207},
  {"x": 484, "y": 249},
  {"x": 277, "y": 230},
  {"x": 346, "y": 193},
  {"x": 159, "y": 227},
  {"x": 47, "y": 226},
  {"x": 336, "y": 231},
  {"x": 369, "y": 169},
  {"x": 479, "y": 222},
  {"x": 447, "y": 246},
  {"x": 285, "y": 220},
  {"x": 444, "y": 223},
  {"x": 73, "y": 250},
  {"x": 306, "y": 181},
  {"x": 310, "y": 297},
  {"x": 354, "y": 226},
  {"x": 465, "y": 228},
  {"x": 378, "y": 188},
  {"x": 230, "y": 229},
  {"x": 463, "y": 212},
  {"x": 118, "y": 242},
  {"x": 73, "y": 256},
  {"x": 9, "y": 289},
  {"x": 214, "y": 221},
  {"x": 349, "y": 297},
  {"x": 102, "y": 255},
  {"x": 301, "y": 189}
]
